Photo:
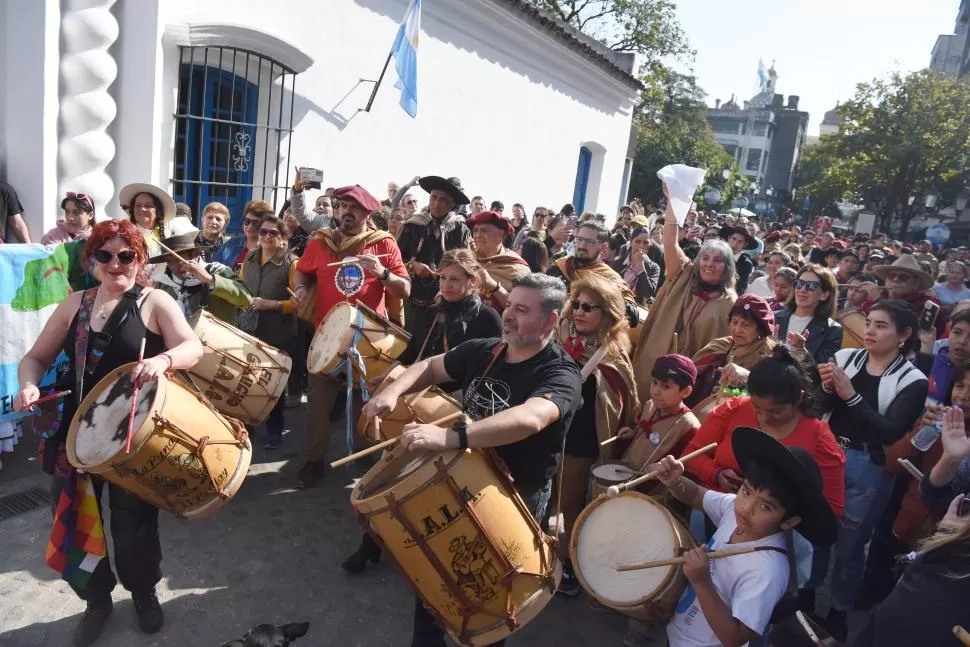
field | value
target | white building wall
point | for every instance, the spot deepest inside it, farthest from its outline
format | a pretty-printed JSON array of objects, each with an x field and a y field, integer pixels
[{"x": 502, "y": 105}]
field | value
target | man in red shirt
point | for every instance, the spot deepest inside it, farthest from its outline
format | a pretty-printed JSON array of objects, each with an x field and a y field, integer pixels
[{"x": 378, "y": 268}]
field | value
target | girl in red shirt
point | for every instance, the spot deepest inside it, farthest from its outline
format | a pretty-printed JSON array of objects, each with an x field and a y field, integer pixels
[{"x": 783, "y": 402}]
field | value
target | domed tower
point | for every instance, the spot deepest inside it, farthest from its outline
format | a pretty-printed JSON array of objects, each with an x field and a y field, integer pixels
[{"x": 831, "y": 121}]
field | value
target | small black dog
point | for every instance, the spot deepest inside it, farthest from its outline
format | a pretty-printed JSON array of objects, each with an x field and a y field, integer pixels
[{"x": 271, "y": 635}]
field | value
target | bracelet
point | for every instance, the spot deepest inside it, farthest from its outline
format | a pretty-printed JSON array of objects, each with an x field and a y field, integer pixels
[{"x": 171, "y": 362}]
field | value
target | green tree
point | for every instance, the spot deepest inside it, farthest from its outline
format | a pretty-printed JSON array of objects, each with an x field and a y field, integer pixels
[
  {"x": 677, "y": 132},
  {"x": 902, "y": 137}
]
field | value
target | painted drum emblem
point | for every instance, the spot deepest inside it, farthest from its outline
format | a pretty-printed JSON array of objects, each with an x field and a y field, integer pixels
[{"x": 349, "y": 279}]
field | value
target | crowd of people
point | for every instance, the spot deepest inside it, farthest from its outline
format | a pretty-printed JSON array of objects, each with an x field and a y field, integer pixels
[{"x": 840, "y": 348}]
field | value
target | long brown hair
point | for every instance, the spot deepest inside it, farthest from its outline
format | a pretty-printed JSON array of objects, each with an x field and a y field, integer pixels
[{"x": 614, "y": 326}]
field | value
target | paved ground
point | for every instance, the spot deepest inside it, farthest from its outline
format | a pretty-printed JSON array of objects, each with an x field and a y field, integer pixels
[{"x": 271, "y": 555}]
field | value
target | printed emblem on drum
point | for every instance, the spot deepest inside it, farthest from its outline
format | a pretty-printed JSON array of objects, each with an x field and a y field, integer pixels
[
  {"x": 473, "y": 568},
  {"x": 487, "y": 399},
  {"x": 349, "y": 279},
  {"x": 167, "y": 484},
  {"x": 189, "y": 463}
]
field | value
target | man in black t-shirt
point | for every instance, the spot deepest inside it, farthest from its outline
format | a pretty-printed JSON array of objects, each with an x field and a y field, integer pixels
[
  {"x": 11, "y": 215},
  {"x": 521, "y": 405}
]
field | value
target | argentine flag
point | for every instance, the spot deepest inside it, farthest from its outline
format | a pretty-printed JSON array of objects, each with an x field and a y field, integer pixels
[{"x": 405, "y": 53}]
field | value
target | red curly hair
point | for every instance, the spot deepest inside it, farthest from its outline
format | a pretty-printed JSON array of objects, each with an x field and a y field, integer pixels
[{"x": 123, "y": 229}]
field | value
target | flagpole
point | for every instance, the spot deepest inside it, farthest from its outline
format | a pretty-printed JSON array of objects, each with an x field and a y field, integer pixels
[{"x": 380, "y": 80}]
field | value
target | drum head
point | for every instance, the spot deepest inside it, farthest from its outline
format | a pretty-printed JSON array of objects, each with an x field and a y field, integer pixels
[
  {"x": 102, "y": 429},
  {"x": 396, "y": 466},
  {"x": 613, "y": 472},
  {"x": 619, "y": 530},
  {"x": 333, "y": 337}
]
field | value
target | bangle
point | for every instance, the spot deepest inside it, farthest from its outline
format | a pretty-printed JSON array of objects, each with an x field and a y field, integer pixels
[
  {"x": 498, "y": 286},
  {"x": 169, "y": 359}
]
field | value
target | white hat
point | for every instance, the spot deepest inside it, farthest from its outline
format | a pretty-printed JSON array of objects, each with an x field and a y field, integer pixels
[{"x": 129, "y": 192}]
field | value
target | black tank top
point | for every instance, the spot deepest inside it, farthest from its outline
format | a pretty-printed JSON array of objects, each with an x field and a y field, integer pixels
[{"x": 122, "y": 348}]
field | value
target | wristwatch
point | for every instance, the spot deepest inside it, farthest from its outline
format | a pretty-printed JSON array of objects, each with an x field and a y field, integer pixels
[
  {"x": 461, "y": 428},
  {"x": 386, "y": 275}
]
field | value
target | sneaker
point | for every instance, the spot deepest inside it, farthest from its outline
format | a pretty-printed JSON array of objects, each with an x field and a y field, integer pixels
[
  {"x": 150, "y": 616},
  {"x": 569, "y": 585},
  {"x": 837, "y": 622},
  {"x": 273, "y": 441},
  {"x": 89, "y": 629}
]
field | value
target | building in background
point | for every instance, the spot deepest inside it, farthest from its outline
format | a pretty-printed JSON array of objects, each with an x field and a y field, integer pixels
[
  {"x": 765, "y": 135},
  {"x": 219, "y": 100},
  {"x": 830, "y": 122},
  {"x": 951, "y": 52}
]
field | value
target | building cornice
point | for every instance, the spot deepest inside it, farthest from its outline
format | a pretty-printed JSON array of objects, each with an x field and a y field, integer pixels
[{"x": 208, "y": 34}]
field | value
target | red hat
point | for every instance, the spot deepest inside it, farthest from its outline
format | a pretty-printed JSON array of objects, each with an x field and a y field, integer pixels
[
  {"x": 679, "y": 368},
  {"x": 759, "y": 309},
  {"x": 491, "y": 218},
  {"x": 839, "y": 244},
  {"x": 358, "y": 194}
]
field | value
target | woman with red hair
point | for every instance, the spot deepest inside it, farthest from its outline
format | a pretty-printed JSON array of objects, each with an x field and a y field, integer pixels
[{"x": 101, "y": 329}]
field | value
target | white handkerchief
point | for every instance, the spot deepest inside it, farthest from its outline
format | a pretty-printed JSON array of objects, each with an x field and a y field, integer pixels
[{"x": 682, "y": 182}]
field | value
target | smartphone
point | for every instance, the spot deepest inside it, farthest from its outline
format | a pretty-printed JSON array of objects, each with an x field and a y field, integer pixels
[
  {"x": 312, "y": 178},
  {"x": 927, "y": 318}
]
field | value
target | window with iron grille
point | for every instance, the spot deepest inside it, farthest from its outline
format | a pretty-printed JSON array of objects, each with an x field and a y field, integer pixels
[{"x": 233, "y": 119}]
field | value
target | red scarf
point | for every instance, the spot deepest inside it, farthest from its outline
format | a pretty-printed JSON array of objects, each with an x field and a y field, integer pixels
[{"x": 647, "y": 425}]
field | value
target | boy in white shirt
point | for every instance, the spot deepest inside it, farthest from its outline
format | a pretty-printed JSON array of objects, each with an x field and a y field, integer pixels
[{"x": 729, "y": 601}]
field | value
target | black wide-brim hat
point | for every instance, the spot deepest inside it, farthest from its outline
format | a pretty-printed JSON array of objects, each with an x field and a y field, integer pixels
[
  {"x": 726, "y": 231},
  {"x": 451, "y": 186},
  {"x": 818, "y": 524},
  {"x": 178, "y": 244}
]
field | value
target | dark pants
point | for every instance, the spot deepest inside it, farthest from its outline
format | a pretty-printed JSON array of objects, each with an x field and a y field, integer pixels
[
  {"x": 427, "y": 632},
  {"x": 880, "y": 577},
  {"x": 134, "y": 534},
  {"x": 274, "y": 424},
  {"x": 297, "y": 384}
]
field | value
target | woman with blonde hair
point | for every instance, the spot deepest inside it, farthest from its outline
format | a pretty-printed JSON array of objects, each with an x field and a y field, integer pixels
[
  {"x": 594, "y": 318},
  {"x": 457, "y": 315}
]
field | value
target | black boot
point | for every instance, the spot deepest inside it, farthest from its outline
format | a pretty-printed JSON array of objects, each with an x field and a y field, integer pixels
[
  {"x": 369, "y": 550},
  {"x": 89, "y": 629},
  {"x": 150, "y": 617},
  {"x": 837, "y": 623}
]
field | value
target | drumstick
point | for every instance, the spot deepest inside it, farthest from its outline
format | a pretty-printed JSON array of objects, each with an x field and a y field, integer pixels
[
  {"x": 673, "y": 561},
  {"x": 613, "y": 490},
  {"x": 961, "y": 635},
  {"x": 51, "y": 396},
  {"x": 293, "y": 294},
  {"x": 609, "y": 440},
  {"x": 912, "y": 469},
  {"x": 134, "y": 401},
  {"x": 365, "y": 452},
  {"x": 803, "y": 621},
  {"x": 388, "y": 443},
  {"x": 169, "y": 250},
  {"x": 353, "y": 259},
  {"x": 676, "y": 343}
]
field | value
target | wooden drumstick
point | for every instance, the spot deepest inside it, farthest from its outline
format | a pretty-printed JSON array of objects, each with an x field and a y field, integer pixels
[
  {"x": 673, "y": 561},
  {"x": 293, "y": 294},
  {"x": 365, "y": 452},
  {"x": 134, "y": 401},
  {"x": 912, "y": 469},
  {"x": 611, "y": 439},
  {"x": 613, "y": 490},
  {"x": 961, "y": 635},
  {"x": 169, "y": 250},
  {"x": 676, "y": 343}
]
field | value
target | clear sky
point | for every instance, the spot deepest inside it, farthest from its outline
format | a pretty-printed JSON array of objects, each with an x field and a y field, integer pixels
[{"x": 821, "y": 48}]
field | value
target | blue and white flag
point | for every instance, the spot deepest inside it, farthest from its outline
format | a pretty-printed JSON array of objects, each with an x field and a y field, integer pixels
[
  {"x": 762, "y": 74},
  {"x": 405, "y": 52}
]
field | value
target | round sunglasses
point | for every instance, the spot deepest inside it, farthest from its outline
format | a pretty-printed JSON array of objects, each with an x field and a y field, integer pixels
[
  {"x": 126, "y": 257},
  {"x": 585, "y": 307}
]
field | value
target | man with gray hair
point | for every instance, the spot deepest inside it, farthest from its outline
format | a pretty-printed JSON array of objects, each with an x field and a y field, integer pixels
[{"x": 520, "y": 391}]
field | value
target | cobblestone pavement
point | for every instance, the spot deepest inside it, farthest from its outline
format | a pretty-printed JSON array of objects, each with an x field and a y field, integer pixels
[{"x": 272, "y": 554}]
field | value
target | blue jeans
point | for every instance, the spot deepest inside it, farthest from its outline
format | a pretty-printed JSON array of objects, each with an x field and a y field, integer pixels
[
  {"x": 426, "y": 632},
  {"x": 867, "y": 490}
]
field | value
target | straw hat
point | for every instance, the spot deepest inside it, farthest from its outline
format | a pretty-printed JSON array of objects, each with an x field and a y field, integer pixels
[{"x": 128, "y": 193}]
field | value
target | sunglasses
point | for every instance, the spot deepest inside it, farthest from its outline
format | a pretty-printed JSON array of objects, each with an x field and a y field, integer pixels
[
  {"x": 899, "y": 277},
  {"x": 585, "y": 307},
  {"x": 127, "y": 257},
  {"x": 272, "y": 233},
  {"x": 80, "y": 197},
  {"x": 251, "y": 222},
  {"x": 811, "y": 286}
]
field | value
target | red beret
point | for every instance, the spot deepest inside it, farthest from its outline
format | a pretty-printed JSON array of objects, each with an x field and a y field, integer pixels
[
  {"x": 358, "y": 194},
  {"x": 675, "y": 367},
  {"x": 491, "y": 218},
  {"x": 759, "y": 309}
]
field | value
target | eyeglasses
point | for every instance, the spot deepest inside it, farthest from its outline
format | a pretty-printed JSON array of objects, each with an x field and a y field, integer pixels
[
  {"x": 272, "y": 233},
  {"x": 125, "y": 257},
  {"x": 581, "y": 240},
  {"x": 585, "y": 307},
  {"x": 899, "y": 277},
  {"x": 251, "y": 222},
  {"x": 810, "y": 286}
]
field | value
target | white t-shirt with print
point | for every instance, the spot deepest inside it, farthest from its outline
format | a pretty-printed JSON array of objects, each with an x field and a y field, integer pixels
[{"x": 751, "y": 585}]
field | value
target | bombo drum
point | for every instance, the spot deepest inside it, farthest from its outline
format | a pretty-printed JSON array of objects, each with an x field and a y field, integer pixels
[
  {"x": 427, "y": 406},
  {"x": 371, "y": 341},
  {"x": 606, "y": 473},
  {"x": 464, "y": 538},
  {"x": 242, "y": 376},
  {"x": 627, "y": 529},
  {"x": 185, "y": 457}
]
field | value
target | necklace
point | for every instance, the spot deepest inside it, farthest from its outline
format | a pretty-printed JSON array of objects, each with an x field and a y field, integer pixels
[{"x": 102, "y": 314}]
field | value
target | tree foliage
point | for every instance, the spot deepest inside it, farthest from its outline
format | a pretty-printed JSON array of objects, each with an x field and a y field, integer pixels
[
  {"x": 677, "y": 132},
  {"x": 901, "y": 137}
]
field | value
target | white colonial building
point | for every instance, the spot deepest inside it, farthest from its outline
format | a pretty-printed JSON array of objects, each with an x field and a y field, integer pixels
[{"x": 220, "y": 99}]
